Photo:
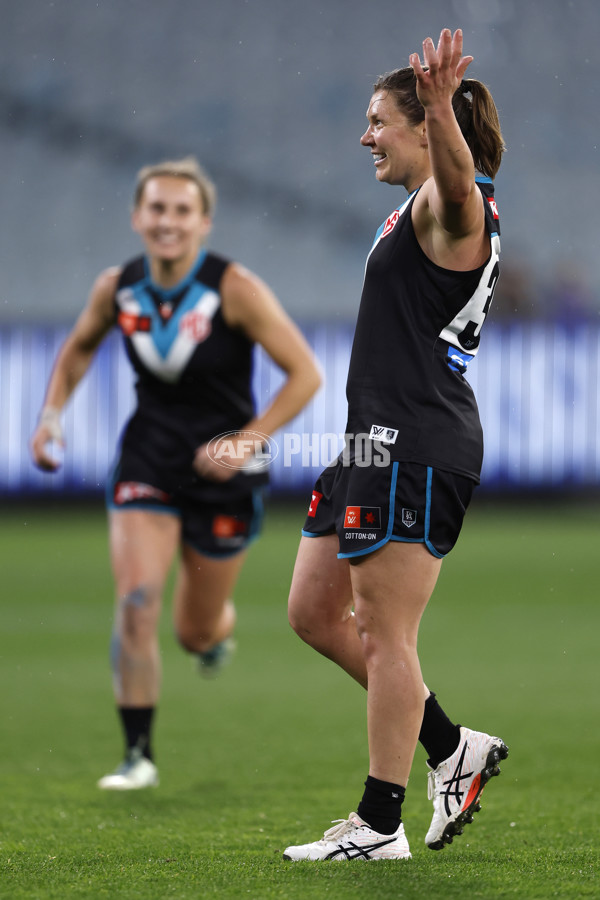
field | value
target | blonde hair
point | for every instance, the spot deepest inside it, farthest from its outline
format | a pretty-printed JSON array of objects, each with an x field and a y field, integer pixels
[{"x": 189, "y": 168}]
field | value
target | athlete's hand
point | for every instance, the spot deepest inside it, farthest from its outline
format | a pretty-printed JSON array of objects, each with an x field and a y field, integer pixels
[
  {"x": 205, "y": 466},
  {"x": 47, "y": 442},
  {"x": 221, "y": 460},
  {"x": 446, "y": 67}
]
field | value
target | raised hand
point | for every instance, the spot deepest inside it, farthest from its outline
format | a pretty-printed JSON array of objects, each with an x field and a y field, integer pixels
[{"x": 445, "y": 70}]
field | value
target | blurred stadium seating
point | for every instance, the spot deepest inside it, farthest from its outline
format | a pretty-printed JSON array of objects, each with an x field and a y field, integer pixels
[{"x": 271, "y": 98}]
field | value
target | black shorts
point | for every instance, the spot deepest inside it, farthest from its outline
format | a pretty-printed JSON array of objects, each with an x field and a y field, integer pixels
[
  {"x": 214, "y": 529},
  {"x": 367, "y": 506},
  {"x": 154, "y": 471}
]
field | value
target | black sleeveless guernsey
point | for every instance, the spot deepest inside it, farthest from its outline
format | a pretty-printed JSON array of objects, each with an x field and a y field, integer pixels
[
  {"x": 418, "y": 328},
  {"x": 193, "y": 371}
]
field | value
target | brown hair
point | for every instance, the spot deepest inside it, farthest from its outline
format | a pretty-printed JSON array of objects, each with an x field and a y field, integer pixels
[
  {"x": 477, "y": 117},
  {"x": 179, "y": 168}
]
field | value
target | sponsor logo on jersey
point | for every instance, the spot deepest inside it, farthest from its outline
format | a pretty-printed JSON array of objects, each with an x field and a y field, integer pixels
[
  {"x": 383, "y": 433},
  {"x": 493, "y": 207},
  {"x": 409, "y": 517},
  {"x": 127, "y": 491},
  {"x": 314, "y": 502},
  {"x": 196, "y": 325},
  {"x": 131, "y": 322},
  {"x": 390, "y": 222},
  {"x": 362, "y": 517}
]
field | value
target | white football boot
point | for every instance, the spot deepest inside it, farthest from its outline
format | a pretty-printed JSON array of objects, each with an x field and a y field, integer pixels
[
  {"x": 352, "y": 838},
  {"x": 134, "y": 773},
  {"x": 456, "y": 785}
]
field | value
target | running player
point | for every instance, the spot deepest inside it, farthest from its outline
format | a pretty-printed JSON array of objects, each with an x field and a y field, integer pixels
[
  {"x": 385, "y": 514},
  {"x": 190, "y": 319}
]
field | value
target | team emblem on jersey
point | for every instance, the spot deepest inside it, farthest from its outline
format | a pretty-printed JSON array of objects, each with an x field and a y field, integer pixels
[
  {"x": 409, "y": 517},
  {"x": 165, "y": 311},
  {"x": 390, "y": 222},
  {"x": 362, "y": 517},
  {"x": 196, "y": 325},
  {"x": 384, "y": 434}
]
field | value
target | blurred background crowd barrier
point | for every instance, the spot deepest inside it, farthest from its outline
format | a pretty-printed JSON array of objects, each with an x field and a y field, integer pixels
[
  {"x": 536, "y": 384},
  {"x": 271, "y": 97}
]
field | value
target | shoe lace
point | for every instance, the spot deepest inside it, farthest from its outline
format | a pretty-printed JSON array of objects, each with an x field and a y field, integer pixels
[{"x": 340, "y": 827}]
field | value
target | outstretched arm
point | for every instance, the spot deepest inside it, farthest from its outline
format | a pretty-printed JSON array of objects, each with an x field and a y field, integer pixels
[
  {"x": 72, "y": 362},
  {"x": 450, "y": 197}
]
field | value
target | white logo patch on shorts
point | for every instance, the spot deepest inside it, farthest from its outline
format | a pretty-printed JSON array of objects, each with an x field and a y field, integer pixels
[{"x": 409, "y": 517}]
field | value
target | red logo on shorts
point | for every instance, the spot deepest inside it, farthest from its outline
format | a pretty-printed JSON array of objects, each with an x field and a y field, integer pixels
[
  {"x": 314, "y": 502},
  {"x": 126, "y": 491},
  {"x": 227, "y": 526},
  {"x": 362, "y": 517}
]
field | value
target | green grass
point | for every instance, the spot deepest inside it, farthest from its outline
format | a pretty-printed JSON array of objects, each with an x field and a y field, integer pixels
[{"x": 276, "y": 748}]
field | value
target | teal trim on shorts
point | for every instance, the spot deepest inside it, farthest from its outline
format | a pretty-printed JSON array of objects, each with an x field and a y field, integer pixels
[
  {"x": 390, "y": 526},
  {"x": 144, "y": 507},
  {"x": 259, "y": 514},
  {"x": 428, "y": 543},
  {"x": 316, "y": 533},
  {"x": 393, "y": 537},
  {"x": 425, "y": 540},
  {"x": 253, "y": 531},
  {"x": 227, "y": 555}
]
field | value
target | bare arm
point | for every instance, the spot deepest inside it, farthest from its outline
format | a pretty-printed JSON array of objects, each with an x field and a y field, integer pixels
[
  {"x": 72, "y": 362},
  {"x": 250, "y": 305},
  {"x": 449, "y": 218}
]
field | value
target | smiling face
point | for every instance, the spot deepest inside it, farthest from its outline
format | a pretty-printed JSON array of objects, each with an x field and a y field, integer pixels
[
  {"x": 399, "y": 149},
  {"x": 170, "y": 219}
]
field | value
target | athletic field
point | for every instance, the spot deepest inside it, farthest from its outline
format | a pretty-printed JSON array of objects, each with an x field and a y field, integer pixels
[{"x": 276, "y": 748}]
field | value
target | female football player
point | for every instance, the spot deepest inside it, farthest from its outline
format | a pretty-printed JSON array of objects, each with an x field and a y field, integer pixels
[
  {"x": 376, "y": 533},
  {"x": 190, "y": 320}
]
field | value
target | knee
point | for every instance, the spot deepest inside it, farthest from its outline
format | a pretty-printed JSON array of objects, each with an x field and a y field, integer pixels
[
  {"x": 191, "y": 638},
  {"x": 380, "y": 640},
  {"x": 315, "y": 624},
  {"x": 197, "y": 628},
  {"x": 137, "y": 616},
  {"x": 302, "y": 620}
]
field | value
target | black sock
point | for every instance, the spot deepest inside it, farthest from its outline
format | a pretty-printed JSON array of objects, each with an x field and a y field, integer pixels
[
  {"x": 381, "y": 805},
  {"x": 137, "y": 725},
  {"x": 439, "y": 735}
]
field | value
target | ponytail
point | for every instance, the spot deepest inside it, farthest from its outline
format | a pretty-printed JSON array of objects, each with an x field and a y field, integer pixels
[{"x": 479, "y": 123}]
